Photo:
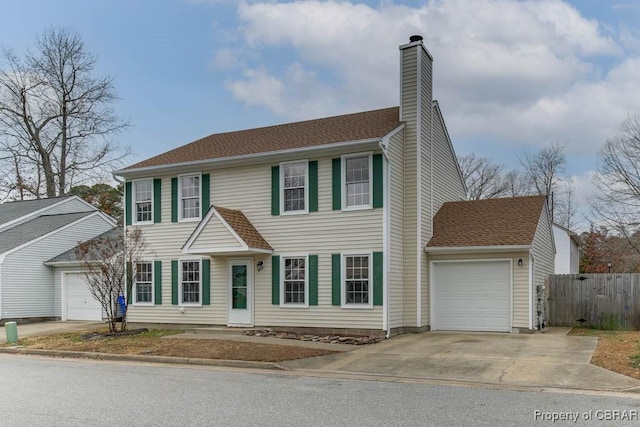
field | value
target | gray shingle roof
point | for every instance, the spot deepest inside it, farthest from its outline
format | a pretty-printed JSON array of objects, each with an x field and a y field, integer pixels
[
  {"x": 13, "y": 210},
  {"x": 38, "y": 227},
  {"x": 70, "y": 255}
]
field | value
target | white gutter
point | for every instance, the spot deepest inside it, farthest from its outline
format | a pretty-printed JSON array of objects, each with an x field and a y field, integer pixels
[{"x": 464, "y": 249}]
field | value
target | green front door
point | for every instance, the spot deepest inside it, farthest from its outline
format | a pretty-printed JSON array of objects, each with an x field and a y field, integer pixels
[{"x": 240, "y": 292}]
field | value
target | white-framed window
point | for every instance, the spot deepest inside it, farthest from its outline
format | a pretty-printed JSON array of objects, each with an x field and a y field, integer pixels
[
  {"x": 357, "y": 280},
  {"x": 190, "y": 290},
  {"x": 143, "y": 201},
  {"x": 357, "y": 181},
  {"x": 189, "y": 197},
  {"x": 143, "y": 285},
  {"x": 294, "y": 286},
  {"x": 294, "y": 181}
]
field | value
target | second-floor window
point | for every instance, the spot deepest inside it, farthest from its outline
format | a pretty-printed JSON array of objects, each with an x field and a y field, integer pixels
[
  {"x": 294, "y": 187},
  {"x": 143, "y": 195},
  {"x": 357, "y": 181},
  {"x": 190, "y": 197}
]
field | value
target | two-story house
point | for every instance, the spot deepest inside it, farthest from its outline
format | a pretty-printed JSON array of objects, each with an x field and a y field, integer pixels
[{"x": 318, "y": 224}]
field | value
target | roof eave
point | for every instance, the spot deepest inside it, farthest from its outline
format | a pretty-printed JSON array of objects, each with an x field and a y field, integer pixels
[
  {"x": 475, "y": 249},
  {"x": 253, "y": 156}
]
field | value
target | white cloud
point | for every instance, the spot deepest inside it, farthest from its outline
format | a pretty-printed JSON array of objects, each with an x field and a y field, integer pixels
[{"x": 521, "y": 72}]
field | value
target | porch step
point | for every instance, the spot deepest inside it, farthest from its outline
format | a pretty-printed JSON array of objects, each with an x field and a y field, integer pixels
[{"x": 218, "y": 330}]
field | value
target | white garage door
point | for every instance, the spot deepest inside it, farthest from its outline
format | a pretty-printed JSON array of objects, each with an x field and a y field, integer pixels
[
  {"x": 472, "y": 296},
  {"x": 80, "y": 304}
]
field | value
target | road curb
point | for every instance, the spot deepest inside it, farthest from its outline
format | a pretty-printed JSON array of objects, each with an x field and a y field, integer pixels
[{"x": 139, "y": 358}]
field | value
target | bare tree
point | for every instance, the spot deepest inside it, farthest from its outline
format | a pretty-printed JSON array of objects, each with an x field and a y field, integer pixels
[
  {"x": 517, "y": 184},
  {"x": 544, "y": 170},
  {"x": 55, "y": 114},
  {"x": 566, "y": 206},
  {"x": 109, "y": 263},
  {"x": 618, "y": 181},
  {"x": 482, "y": 177}
]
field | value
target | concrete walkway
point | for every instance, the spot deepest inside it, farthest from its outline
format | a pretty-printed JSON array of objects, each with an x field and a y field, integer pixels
[
  {"x": 545, "y": 360},
  {"x": 47, "y": 328}
]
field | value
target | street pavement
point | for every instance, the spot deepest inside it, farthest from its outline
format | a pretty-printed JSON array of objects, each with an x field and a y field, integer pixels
[
  {"x": 550, "y": 360},
  {"x": 64, "y": 392}
]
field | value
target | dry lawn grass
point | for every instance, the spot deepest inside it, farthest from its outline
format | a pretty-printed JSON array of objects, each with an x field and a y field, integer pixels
[
  {"x": 152, "y": 343},
  {"x": 617, "y": 351}
]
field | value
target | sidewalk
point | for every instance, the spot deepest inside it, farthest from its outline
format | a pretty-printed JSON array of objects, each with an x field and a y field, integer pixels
[{"x": 47, "y": 328}]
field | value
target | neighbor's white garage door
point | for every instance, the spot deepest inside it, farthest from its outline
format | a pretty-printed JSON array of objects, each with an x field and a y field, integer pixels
[
  {"x": 472, "y": 296},
  {"x": 80, "y": 304}
]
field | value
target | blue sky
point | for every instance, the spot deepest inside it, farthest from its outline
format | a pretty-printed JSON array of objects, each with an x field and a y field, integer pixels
[{"x": 509, "y": 75}]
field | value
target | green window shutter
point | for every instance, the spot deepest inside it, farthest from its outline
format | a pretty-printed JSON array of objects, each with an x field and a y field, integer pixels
[
  {"x": 206, "y": 281},
  {"x": 275, "y": 190},
  {"x": 174, "y": 200},
  {"x": 157, "y": 282},
  {"x": 128, "y": 209},
  {"x": 206, "y": 194},
  {"x": 336, "y": 297},
  {"x": 313, "y": 186},
  {"x": 174, "y": 282},
  {"x": 336, "y": 170},
  {"x": 313, "y": 279},
  {"x": 378, "y": 275},
  {"x": 378, "y": 183},
  {"x": 129, "y": 282},
  {"x": 157, "y": 200},
  {"x": 275, "y": 280}
]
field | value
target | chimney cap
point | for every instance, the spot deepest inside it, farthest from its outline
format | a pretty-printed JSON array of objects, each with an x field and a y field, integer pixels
[{"x": 415, "y": 38}]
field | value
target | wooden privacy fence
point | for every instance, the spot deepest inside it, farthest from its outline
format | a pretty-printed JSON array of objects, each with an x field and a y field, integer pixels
[{"x": 602, "y": 301}]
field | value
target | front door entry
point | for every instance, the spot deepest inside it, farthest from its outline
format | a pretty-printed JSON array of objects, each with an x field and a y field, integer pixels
[{"x": 240, "y": 292}]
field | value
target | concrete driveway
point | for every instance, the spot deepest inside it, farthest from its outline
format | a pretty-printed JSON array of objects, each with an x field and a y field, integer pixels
[
  {"x": 47, "y": 328},
  {"x": 543, "y": 360}
]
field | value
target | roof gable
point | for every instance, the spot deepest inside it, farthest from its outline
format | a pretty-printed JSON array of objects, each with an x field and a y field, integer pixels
[
  {"x": 35, "y": 228},
  {"x": 225, "y": 230},
  {"x": 331, "y": 130},
  {"x": 510, "y": 221},
  {"x": 71, "y": 256}
]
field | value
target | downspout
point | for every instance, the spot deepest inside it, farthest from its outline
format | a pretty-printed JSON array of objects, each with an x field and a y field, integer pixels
[{"x": 386, "y": 234}]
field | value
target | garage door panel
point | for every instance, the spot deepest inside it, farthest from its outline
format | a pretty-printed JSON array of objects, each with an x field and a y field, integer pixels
[
  {"x": 472, "y": 296},
  {"x": 81, "y": 305}
]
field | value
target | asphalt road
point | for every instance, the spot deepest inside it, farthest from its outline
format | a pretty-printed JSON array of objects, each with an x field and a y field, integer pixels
[{"x": 53, "y": 392}]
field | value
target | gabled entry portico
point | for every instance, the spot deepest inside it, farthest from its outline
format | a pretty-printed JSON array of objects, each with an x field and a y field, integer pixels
[{"x": 227, "y": 233}]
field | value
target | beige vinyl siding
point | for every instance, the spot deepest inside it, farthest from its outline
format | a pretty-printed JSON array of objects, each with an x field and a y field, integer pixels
[
  {"x": 248, "y": 188},
  {"x": 396, "y": 244},
  {"x": 425, "y": 197},
  {"x": 520, "y": 292},
  {"x": 215, "y": 233},
  {"x": 409, "y": 110},
  {"x": 544, "y": 257},
  {"x": 28, "y": 286},
  {"x": 447, "y": 182}
]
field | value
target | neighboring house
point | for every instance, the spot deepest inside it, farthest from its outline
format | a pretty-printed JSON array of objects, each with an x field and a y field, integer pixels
[
  {"x": 567, "y": 250},
  {"x": 319, "y": 224},
  {"x": 70, "y": 277},
  {"x": 32, "y": 232},
  {"x": 489, "y": 261}
]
